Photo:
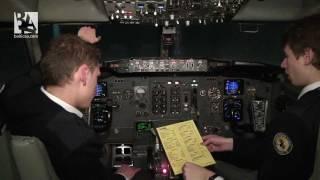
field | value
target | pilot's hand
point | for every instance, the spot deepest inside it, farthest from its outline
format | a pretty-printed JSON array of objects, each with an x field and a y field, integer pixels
[
  {"x": 216, "y": 143},
  {"x": 194, "y": 172},
  {"x": 88, "y": 34},
  {"x": 127, "y": 171}
]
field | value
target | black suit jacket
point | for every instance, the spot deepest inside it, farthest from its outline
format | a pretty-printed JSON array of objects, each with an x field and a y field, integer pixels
[
  {"x": 288, "y": 149},
  {"x": 73, "y": 147}
]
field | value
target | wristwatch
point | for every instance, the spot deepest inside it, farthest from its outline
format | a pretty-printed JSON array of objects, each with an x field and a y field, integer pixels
[{"x": 216, "y": 177}]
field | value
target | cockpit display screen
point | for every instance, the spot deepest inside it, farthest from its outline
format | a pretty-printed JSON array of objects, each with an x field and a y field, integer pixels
[
  {"x": 233, "y": 87},
  {"x": 101, "y": 89},
  {"x": 142, "y": 127}
]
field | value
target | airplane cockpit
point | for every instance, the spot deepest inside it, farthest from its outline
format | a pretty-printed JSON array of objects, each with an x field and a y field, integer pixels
[{"x": 216, "y": 62}]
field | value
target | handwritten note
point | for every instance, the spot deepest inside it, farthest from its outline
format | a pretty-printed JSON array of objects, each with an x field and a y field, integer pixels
[{"x": 182, "y": 143}]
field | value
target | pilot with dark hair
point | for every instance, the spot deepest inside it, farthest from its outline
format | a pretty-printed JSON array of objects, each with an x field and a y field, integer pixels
[
  {"x": 69, "y": 69},
  {"x": 288, "y": 150}
]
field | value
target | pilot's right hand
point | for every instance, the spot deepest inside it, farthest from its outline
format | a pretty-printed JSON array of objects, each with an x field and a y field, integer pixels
[
  {"x": 88, "y": 34},
  {"x": 194, "y": 172},
  {"x": 127, "y": 171},
  {"x": 217, "y": 143}
]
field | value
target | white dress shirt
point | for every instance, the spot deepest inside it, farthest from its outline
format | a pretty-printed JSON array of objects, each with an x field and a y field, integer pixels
[
  {"x": 308, "y": 88},
  {"x": 61, "y": 103}
]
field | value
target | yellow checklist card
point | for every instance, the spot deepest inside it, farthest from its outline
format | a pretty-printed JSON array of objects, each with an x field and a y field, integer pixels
[{"x": 182, "y": 143}]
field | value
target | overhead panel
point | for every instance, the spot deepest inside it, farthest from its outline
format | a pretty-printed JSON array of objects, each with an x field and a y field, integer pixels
[{"x": 172, "y": 12}]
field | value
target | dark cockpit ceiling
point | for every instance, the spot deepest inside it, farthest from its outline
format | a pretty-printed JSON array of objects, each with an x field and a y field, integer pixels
[{"x": 96, "y": 11}]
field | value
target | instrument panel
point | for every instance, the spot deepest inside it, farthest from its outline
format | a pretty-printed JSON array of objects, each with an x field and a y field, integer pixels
[
  {"x": 211, "y": 101},
  {"x": 134, "y": 98}
]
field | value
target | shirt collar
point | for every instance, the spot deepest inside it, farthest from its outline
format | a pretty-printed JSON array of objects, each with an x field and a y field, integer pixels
[
  {"x": 61, "y": 103},
  {"x": 308, "y": 88}
]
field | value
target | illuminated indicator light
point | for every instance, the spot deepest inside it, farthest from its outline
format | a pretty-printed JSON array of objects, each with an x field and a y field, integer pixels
[
  {"x": 166, "y": 23},
  {"x": 187, "y": 23},
  {"x": 219, "y": 4},
  {"x": 172, "y": 16},
  {"x": 164, "y": 171}
]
